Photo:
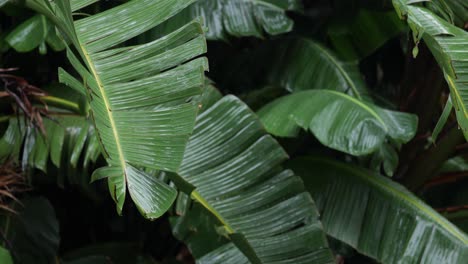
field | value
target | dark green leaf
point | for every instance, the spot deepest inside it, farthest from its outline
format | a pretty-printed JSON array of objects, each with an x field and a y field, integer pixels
[
  {"x": 337, "y": 120},
  {"x": 379, "y": 217},
  {"x": 138, "y": 95},
  {"x": 234, "y": 165},
  {"x": 448, "y": 45}
]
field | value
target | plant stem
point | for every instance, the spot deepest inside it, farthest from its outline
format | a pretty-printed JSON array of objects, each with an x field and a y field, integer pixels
[
  {"x": 426, "y": 164},
  {"x": 62, "y": 103}
]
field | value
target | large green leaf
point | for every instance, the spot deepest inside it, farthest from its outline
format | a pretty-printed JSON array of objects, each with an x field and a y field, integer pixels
[
  {"x": 303, "y": 64},
  {"x": 378, "y": 217},
  {"x": 139, "y": 95},
  {"x": 448, "y": 45},
  {"x": 240, "y": 18},
  {"x": 337, "y": 120},
  {"x": 234, "y": 166}
]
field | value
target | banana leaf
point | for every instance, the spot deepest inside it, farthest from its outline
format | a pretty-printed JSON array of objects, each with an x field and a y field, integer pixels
[
  {"x": 337, "y": 120},
  {"x": 140, "y": 96},
  {"x": 379, "y": 217},
  {"x": 448, "y": 45},
  {"x": 234, "y": 168}
]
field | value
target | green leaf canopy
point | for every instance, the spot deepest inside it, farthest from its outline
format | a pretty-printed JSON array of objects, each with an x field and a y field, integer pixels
[
  {"x": 139, "y": 95},
  {"x": 234, "y": 166},
  {"x": 337, "y": 120},
  {"x": 379, "y": 217}
]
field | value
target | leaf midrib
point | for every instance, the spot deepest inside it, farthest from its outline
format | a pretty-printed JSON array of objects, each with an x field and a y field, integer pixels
[
  {"x": 399, "y": 194},
  {"x": 361, "y": 104},
  {"x": 340, "y": 69},
  {"x": 197, "y": 197},
  {"x": 100, "y": 84}
]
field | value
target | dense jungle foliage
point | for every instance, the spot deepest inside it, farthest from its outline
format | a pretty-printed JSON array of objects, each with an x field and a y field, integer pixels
[{"x": 233, "y": 131}]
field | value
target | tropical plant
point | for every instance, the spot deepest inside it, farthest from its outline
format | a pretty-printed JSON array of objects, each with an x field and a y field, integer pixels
[{"x": 324, "y": 133}]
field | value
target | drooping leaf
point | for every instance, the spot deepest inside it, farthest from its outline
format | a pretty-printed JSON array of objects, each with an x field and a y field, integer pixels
[
  {"x": 448, "y": 45},
  {"x": 138, "y": 95},
  {"x": 337, "y": 120},
  {"x": 379, "y": 217},
  {"x": 366, "y": 32},
  {"x": 303, "y": 64},
  {"x": 442, "y": 120},
  {"x": 225, "y": 18},
  {"x": 234, "y": 166}
]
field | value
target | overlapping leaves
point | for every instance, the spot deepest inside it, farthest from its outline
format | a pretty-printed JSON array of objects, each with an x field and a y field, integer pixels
[
  {"x": 234, "y": 166},
  {"x": 67, "y": 140},
  {"x": 379, "y": 217},
  {"x": 337, "y": 120},
  {"x": 139, "y": 95},
  {"x": 448, "y": 45},
  {"x": 336, "y": 108}
]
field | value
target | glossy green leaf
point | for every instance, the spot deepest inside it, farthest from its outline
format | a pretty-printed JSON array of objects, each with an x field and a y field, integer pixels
[
  {"x": 225, "y": 18},
  {"x": 29, "y": 35},
  {"x": 234, "y": 166},
  {"x": 379, "y": 217},
  {"x": 448, "y": 45},
  {"x": 139, "y": 95},
  {"x": 303, "y": 64},
  {"x": 337, "y": 120},
  {"x": 32, "y": 33}
]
